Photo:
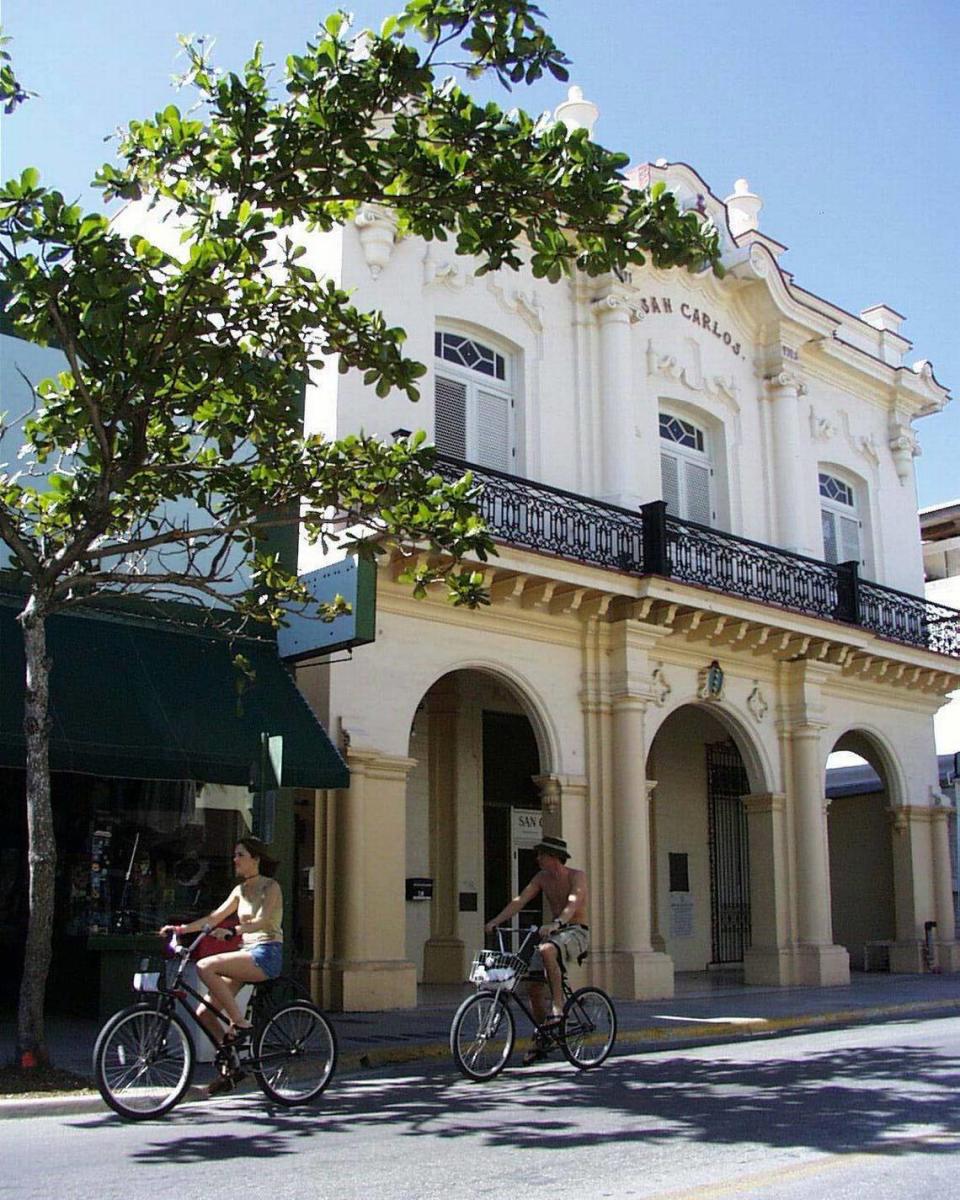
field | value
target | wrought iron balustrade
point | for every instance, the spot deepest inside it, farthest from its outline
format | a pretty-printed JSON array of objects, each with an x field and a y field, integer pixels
[
  {"x": 548, "y": 520},
  {"x": 713, "y": 559}
]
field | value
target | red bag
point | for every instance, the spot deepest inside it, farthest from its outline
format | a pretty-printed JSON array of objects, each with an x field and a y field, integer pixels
[{"x": 209, "y": 945}]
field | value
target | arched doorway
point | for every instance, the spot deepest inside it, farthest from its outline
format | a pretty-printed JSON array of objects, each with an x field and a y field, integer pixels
[
  {"x": 700, "y": 870},
  {"x": 859, "y": 830},
  {"x": 473, "y": 816}
]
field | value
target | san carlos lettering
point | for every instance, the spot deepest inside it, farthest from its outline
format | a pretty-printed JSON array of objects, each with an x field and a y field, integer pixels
[{"x": 698, "y": 316}]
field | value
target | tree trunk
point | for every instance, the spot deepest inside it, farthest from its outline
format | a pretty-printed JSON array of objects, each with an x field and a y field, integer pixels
[{"x": 41, "y": 844}]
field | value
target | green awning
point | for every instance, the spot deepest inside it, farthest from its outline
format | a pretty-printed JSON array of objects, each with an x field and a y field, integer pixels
[{"x": 143, "y": 700}]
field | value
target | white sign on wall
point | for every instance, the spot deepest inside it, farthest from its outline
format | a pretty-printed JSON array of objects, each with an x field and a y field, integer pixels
[
  {"x": 526, "y": 828},
  {"x": 681, "y": 915}
]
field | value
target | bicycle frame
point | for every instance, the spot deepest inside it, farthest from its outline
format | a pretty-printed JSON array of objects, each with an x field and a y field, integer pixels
[
  {"x": 509, "y": 994},
  {"x": 179, "y": 990}
]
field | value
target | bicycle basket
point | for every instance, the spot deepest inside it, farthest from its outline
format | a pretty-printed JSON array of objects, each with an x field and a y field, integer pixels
[
  {"x": 498, "y": 969},
  {"x": 152, "y": 975}
]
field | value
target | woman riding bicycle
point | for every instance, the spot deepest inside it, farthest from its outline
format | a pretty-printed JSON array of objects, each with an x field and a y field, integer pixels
[{"x": 257, "y": 902}]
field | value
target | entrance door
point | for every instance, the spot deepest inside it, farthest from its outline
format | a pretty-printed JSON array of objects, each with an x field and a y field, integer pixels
[
  {"x": 526, "y": 831},
  {"x": 729, "y": 861}
]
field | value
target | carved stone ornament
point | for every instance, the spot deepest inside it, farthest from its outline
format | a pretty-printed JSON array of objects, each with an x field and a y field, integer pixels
[
  {"x": 615, "y": 302},
  {"x": 525, "y": 305},
  {"x": 717, "y": 387},
  {"x": 759, "y": 263},
  {"x": 439, "y": 271},
  {"x": 784, "y": 381},
  {"x": 821, "y": 428},
  {"x": 661, "y": 688},
  {"x": 757, "y": 703},
  {"x": 377, "y": 231},
  {"x": 710, "y": 682},
  {"x": 904, "y": 447}
]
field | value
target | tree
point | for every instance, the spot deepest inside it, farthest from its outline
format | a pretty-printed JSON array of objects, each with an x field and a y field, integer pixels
[{"x": 158, "y": 458}]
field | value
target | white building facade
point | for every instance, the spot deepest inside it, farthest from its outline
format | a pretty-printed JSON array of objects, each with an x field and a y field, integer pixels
[{"x": 709, "y": 578}]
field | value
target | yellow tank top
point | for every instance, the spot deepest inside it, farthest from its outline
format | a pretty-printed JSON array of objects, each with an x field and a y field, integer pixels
[{"x": 253, "y": 899}]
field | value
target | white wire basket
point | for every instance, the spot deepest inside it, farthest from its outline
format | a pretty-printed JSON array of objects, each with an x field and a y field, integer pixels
[{"x": 496, "y": 968}]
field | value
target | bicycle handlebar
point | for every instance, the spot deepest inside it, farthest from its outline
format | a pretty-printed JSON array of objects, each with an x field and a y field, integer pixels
[{"x": 181, "y": 948}]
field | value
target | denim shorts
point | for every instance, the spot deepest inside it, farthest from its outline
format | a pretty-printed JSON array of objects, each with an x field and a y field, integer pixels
[{"x": 269, "y": 957}]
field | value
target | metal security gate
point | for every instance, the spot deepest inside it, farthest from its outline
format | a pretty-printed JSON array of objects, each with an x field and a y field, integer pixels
[{"x": 729, "y": 856}]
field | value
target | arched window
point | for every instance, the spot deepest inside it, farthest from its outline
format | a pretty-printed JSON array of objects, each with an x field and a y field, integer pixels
[
  {"x": 474, "y": 401},
  {"x": 686, "y": 469},
  {"x": 840, "y": 520}
]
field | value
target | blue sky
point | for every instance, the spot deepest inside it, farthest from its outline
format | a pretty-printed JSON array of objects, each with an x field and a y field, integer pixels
[{"x": 843, "y": 115}]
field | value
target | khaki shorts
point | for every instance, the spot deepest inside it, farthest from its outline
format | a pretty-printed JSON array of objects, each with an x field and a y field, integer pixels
[{"x": 571, "y": 941}]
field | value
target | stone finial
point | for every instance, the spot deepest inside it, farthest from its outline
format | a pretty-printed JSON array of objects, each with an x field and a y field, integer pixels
[
  {"x": 577, "y": 113},
  {"x": 743, "y": 209}
]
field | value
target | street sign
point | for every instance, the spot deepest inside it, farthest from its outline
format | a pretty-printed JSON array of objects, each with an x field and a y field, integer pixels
[{"x": 304, "y": 635}]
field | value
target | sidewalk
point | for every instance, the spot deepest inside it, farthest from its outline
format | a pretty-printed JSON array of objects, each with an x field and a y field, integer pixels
[{"x": 704, "y": 1011}]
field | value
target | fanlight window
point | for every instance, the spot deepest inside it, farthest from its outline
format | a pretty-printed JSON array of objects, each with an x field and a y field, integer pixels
[
  {"x": 840, "y": 520},
  {"x": 685, "y": 469},
  {"x": 473, "y": 402},
  {"x": 453, "y": 347}
]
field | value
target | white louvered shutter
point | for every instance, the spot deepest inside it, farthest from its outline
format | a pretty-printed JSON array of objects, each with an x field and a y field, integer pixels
[
  {"x": 670, "y": 481},
  {"x": 493, "y": 430},
  {"x": 697, "y": 493},
  {"x": 830, "y": 548},
  {"x": 450, "y": 417},
  {"x": 849, "y": 539}
]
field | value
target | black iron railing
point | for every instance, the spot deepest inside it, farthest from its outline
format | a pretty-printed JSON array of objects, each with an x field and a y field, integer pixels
[{"x": 535, "y": 516}]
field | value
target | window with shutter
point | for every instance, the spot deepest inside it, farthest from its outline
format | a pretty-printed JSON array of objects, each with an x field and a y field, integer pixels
[
  {"x": 685, "y": 470},
  {"x": 697, "y": 481},
  {"x": 474, "y": 402},
  {"x": 670, "y": 479},
  {"x": 493, "y": 430},
  {"x": 451, "y": 417},
  {"x": 839, "y": 520}
]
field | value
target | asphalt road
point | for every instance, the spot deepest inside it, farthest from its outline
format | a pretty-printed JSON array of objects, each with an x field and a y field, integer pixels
[{"x": 872, "y": 1110}]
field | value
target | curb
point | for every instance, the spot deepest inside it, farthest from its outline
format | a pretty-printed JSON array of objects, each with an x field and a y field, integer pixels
[{"x": 701, "y": 1033}]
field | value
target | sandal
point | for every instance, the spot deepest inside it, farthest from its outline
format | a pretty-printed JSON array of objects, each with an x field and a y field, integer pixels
[
  {"x": 238, "y": 1036},
  {"x": 535, "y": 1054}
]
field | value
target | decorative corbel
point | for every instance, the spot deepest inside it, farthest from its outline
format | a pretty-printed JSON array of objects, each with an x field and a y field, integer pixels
[
  {"x": 904, "y": 447},
  {"x": 377, "y": 230}
]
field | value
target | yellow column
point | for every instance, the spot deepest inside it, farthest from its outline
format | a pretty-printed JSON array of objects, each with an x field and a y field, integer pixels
[
  {"x": 638, "y": 971},
  {"x": 818, "y": 960},
  {"x": 947, "y": 946},
  {"x": 443, "y": 954},
  {"x": 918, "y": 883},
  {"x": 367, "y": 969},
  {"x": 768, "y": 961}
]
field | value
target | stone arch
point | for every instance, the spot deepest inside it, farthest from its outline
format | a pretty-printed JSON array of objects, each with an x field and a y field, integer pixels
[
  {"x": 860, "y": 836},
  {"x": 480, "y": 742},
  {"x": 700, "y": 840},
  {"x": 756, "y": 758},
  {"x": 870, "y": 743},
  {"x": 526, "y": 694}
]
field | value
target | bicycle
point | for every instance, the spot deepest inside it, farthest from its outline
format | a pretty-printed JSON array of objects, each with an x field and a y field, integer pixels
[
  {"x": 483, "y": 1031},
  {"x": 144, "y": 1055}
]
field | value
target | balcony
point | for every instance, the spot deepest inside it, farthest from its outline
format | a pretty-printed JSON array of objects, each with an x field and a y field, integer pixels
[{"x": 548, "y": 520}]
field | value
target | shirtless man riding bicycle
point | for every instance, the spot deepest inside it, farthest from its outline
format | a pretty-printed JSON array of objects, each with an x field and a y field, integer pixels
[{"x": 568, "y": 935}]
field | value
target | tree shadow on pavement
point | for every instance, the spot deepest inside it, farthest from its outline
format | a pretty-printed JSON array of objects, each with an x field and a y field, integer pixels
[{"x": 856, "y": 1099}]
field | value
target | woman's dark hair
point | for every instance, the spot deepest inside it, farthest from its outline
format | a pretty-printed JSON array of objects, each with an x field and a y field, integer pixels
[{"x": 257, "y": 849}]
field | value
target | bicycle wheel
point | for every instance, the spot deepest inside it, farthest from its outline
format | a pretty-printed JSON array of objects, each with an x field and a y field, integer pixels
[
  {"x": 143, "y": 1061},
  {"x": 295, "y": 1055},
  {"x": 482, "y": 1035},
  {"x": 589, "y": 1027}
]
